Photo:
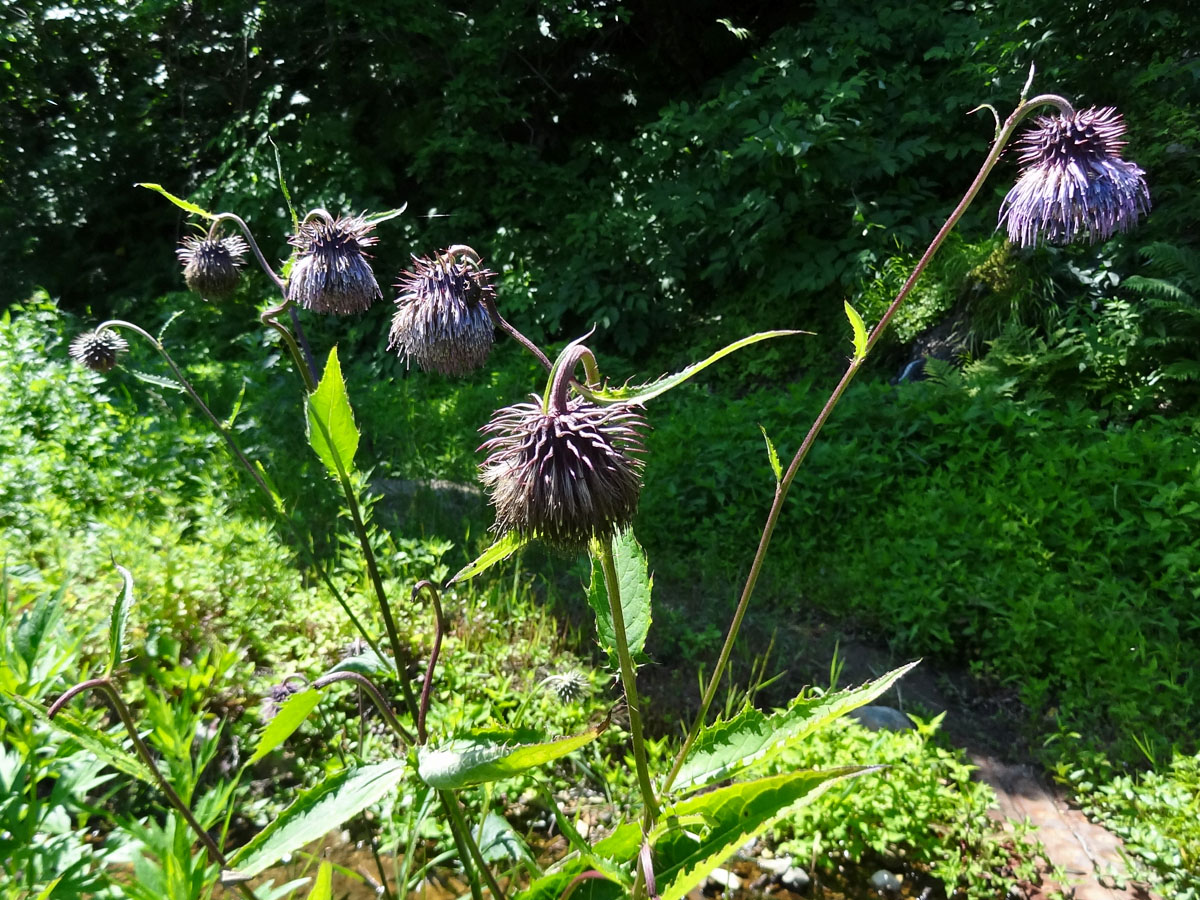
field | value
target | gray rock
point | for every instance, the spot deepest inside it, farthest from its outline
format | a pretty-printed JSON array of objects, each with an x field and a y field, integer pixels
[
  {"x": 774, "y": 867},
  {"x": 795, "y": 879},
  {"x": 725, "y": 879},
  {"x": 882, "y": 718},
  {"x": 885, "y": 881}
]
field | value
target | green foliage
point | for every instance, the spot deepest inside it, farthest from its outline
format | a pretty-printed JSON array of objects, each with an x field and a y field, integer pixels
[
  {"x": 1156, "y": 814},
  {"x": 493, "y": 754},
  {"x": 635, "y": 585},
  {"x": 331, "y": 430},
  {"x": 924, "y": 811}
]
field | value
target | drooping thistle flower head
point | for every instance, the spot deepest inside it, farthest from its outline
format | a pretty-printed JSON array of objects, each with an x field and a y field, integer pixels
[
  {"x": 98, "y": 350},
  {"x": 211, "y": 265},
  {"x": 566, "y": 470},
  {"x": 331, "y": 273},
  {"x": 442, "y": 320},
  {"x": 1075, "y": 182}
]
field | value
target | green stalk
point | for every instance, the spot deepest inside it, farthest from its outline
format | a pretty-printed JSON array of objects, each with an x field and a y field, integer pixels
[
  {"x": 629, "y": 682},
  {"x": 1003, "y": 134}
]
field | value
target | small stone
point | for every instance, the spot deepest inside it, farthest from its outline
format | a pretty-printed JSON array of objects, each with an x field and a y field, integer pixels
[
  {"x": 795, "y": 879},
  {"x": 725, "y": 879},
  {"x": 774, "y": 866},
  {"x": 885, "y": 882},
  {"x": 882, "y": 718}
]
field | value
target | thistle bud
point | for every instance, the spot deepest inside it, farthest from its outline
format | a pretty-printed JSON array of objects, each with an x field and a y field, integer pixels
[
  {"x": 568, "y": 686},
  {"x": 564, "y": 474},
  {"x": 442, "y": 322},
  {"x": 1075, "y": 181},
  {"x": 331, "y": 273},
  {"x": 211, "y": 265},
  {"x": 98, "y": 350}
]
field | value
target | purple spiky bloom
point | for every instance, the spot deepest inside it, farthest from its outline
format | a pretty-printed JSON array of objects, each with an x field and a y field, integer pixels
[
  {"x": 211, "y": 265},
  {"x": 98, "y": 350},
  {"x": 567, "y": 474},
  {"x": 1075, "y": 182},
  {"x": 331, "y": 274},
  {"x": 441, "y": 320}
]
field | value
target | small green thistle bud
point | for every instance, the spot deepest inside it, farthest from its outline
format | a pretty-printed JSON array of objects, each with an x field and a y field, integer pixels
[
  {"x": 442, "y": 321},
  {"x": 211, "y": 265},
  {"x": 569, "y": 686},
  {"x": 331, "y": 273},
  {"x": 98, "y": 350}
]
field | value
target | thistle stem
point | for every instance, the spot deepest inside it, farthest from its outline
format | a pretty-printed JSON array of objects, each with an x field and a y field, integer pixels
[
  {"x": 629, "y": 682},
  {"x": 781, "y": 489},
  {"x": 439, "y": 623},
  {"x": 464, "y": 838},
  {"x": 372, "y": 691},
  {"x": 107, "y": 688}
]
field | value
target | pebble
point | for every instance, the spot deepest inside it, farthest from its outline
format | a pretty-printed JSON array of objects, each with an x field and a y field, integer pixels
[
  {"x": 795, "y": 879},
  {"x": 725, "y": 879},
  {"x": 882, "y": 718},
  {"x": 774, "y": 866},
  {"x": 885, "y": 881}
]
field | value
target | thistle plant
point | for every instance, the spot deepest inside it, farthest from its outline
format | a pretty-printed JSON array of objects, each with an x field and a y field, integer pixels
[{"x": 564, "y": 468}]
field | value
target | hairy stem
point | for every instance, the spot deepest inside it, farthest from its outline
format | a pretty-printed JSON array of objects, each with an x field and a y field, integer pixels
[{"x": 1002, "y": 137}]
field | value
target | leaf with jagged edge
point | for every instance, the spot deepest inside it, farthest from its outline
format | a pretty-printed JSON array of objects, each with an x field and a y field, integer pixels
[
  {"x": 178, "y": 201},
  {"x": 772, "y": 455},
  {"x": 485, "y": 755},
  {"x": 643, "y": 392},
  {"x": 292, "y": 713},
  {"x": 331, "y": 429},
  {"x": 318, "y": 809},
  {"x": 860, "y": 332},
  {"x": 751, "y": 737},
  {"x": 635, "y": 584},
  {"x": 119, "y": 620}
]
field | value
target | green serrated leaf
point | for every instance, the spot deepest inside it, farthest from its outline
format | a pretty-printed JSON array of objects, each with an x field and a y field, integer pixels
[
  {"x": 283, "y": 188},
  {"x": 497, "y": 553},
  {"x": 860, "y": 332},
  {"x": 486, "y": 755},
  {"x": 118, "y": 621},
  {"x": 751, "y": 737},
  {"x": 772, "y": 455},
  {"x": 642, "y": 393},
  {"x": 737, "y": 813},
  {"x": 366, "y": 663},
  {"x": 593, "y": 887},
  {"x": 331, "y": 430},
  {"x": 178, "y": 201},
  {"x": 237, "y": 406},
  {"x": 499, "y": 842},
  {"x": 635, "y": 583},
  {"x": 99, "y": 744},
  {"x": 276, "y": 497},
  {"x": 292, "y": 713},
  {"x": 315, "y": 811},
  {"x": 376, "y": 218},
  {"x": 169, "y": 384}
]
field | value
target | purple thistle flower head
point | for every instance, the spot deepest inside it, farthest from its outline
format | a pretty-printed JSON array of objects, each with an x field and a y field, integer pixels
[
  {"x": 442, "y": 322},
  {"x": 1075, "y": 182},
  {"x": 564, "y": 474},
  {"x": 210, "y": 264},
  {"x": 98, "y": 350},
  {"x": 331, "y": 274}
]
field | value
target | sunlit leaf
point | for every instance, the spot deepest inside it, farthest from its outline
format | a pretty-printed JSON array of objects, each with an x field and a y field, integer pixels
[
  {"x": 331, "y": 429},
  {"x": 727, "y": 747},
  {"x": 292, "y": 713},
  {"x": 323, "y": 889},
  {"x": 635, "y": 584},
  {"x": 860, "y": 332},
  {"x": 772, "y": 455},
  {"x": 642, "y": 393},
  {"x": 491, "y": 754},
  {"x": 118, "y": 621},
  {"x": 178, "y": 201},
  {"x": 315, "y": 812},
  {"x": 497, "y": 553}
]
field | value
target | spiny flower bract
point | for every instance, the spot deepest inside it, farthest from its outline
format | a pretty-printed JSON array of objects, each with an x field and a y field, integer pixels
[
  {"x": 564, "y": 477},
  {"x": 331, "y": 273},
  {"x": 98, "y": 350},
  {"x": 211, "y": 265},
  {"x": 441, "y": 320},
  {"x": 1075, "y": 182}
]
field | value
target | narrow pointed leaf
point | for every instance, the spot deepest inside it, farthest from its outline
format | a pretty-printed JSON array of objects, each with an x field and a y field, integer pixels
[
  {"x": 161, "y": 381},
  {"x": 633, "y": 577},
  {"x": 323, "y": 889},
  {"x": 283, "y": 188},
  {"x": 101, "y": 745},
  {"x": 772, "y": 455},
  {"x": 118, "y": 621},
  {"x": 643, "y": 392},
  {"x": 736, "y": 813},
  {"x": 178, "y": 201},
  {"x": 860, "y": 332},
  {"x": 366, "y": 663},
  {"x": 292, "y": 713},
  {"x": 497, "y": 553},
  {"x": 491, "y": 754},
  {"x": 729, "y": 746},
  {"x": 376, "y": 218},
  {"x": 315, "y": 812},
  {"x": 331, "y": 429}
]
